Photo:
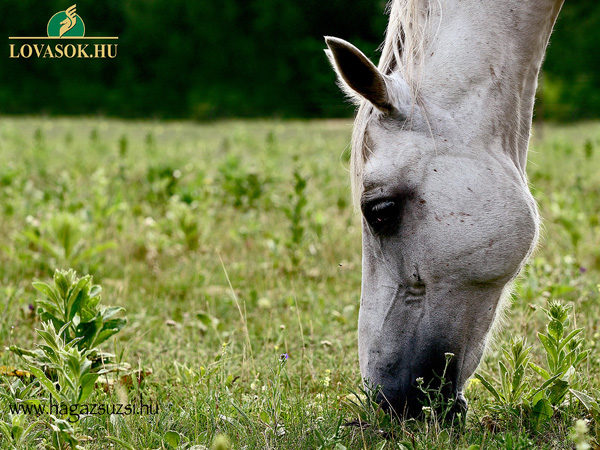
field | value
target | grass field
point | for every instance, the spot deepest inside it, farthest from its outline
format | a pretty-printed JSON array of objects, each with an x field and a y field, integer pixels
[{"x": 235, "y": 250}]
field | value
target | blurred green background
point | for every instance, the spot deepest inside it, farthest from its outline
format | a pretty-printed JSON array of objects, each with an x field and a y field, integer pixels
[{"x": 244, "y": 58}]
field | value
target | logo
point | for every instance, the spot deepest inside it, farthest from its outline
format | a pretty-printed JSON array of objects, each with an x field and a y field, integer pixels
[
  {"x": 63, "y": 26},
  {"x": 66, "y": 23}
]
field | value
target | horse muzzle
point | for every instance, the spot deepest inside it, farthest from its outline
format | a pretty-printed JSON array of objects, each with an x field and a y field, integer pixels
[{"x": 417, "y": 390}]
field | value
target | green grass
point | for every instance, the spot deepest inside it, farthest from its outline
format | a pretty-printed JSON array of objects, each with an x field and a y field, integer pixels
[{"x": 230, "y": 244}]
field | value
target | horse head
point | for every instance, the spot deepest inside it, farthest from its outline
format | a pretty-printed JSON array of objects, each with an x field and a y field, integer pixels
[{"x": 448, "y": 220}]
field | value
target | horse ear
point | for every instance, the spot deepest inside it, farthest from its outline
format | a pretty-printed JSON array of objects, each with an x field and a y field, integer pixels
[{"x": 357, "y": 74}]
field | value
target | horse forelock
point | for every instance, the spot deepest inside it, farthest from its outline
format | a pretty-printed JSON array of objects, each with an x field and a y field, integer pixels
[{"x": 402, "y": 51}]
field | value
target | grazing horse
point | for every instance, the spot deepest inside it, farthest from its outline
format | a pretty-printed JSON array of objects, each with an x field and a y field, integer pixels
[{"x": 438, "y": 168}]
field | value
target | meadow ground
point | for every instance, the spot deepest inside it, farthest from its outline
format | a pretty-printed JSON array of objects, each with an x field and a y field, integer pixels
[{"x": 235, "y": 250}]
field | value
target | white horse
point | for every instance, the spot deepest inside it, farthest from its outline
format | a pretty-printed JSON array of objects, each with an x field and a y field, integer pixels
[{"x": 438, "y": 169}]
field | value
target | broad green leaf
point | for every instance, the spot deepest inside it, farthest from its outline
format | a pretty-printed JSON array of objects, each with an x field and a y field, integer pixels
[
  {"x": 6, "y": 431},
  {"x": 172, "y": 438},
  {"x": 47, "y": 291},
  {"x": 558, "y": 390},
  {"x": 507, "y": 354},
  {"x": 111, "y": 311},
  {"x": 16, "y": 432},
  {"x": 407, "y": 444},
  {"x": 551, "y": 353},
  {"x": 547, "y": 383},
  {"x": 444, "y": 436},
  {"x": 543, "y": 410},
  {"x": 95, "y": 291},
  {"x": 57, "y": 323},
  {"x": 85, "y": 365},
  {"x": 537, "y": 397},
  {"x": 75, "y": 304},
  {"x": 205, "y": 318},
  {"x": 104, "y": 335},
  {"x": 540, "y": 371},
  {"x": 62, "y": 329},
  {"x": 77, "y": 297},
  {"x": 61, "y": 282},
  {"x": 29, "y": 429},
  {"x": 23, "y": 351},
  {"x": 108, "y": 329},
  {"x": 44, "y": 381},
  {"x": 581, "y": 357},
  {"x": 48, "y": 353},
  {"x": 68, "y": 386},
  {"x": 555, "y": 329},
  {"x": 569, "y": 337},
  {"x": 18, "y": 424},
  {"x": 88, "y": 332},
  {"x": 590, "y": 403},
  {"x": 19, "y": 420},
  {"x": 522, "y": 356},
  {"x": 88, "y": 382},
  {"x": 504, "y": 379},
  {"x": 88, "y": 311},
  {"x": 265, "y": 417},
  {"x": 517, "y": 378},
  {"x": 114, "y": 324},
  {"x": 490, "y": 388},
  {"x": 49, "y": 307},
  {"x": 49, "y": 338},
  {"x": 568, "y": 360}
]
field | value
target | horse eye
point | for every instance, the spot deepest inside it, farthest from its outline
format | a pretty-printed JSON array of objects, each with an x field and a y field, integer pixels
[{"x": 381, "y": 215}]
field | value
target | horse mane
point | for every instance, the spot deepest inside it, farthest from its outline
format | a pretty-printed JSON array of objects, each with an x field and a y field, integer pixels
[{"x": 402, "y": 52}]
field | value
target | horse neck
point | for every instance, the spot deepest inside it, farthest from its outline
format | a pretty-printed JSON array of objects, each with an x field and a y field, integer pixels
[{"x": 479, "y": 72}]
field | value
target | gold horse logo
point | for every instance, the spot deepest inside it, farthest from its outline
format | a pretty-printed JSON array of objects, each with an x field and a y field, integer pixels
[{"x": 69, "y": 22}]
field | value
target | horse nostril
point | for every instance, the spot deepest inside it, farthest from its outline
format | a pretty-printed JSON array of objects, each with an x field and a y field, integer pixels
[
  {"x": 400, "y": 401},
  {"x": 402, "y": 408}
]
